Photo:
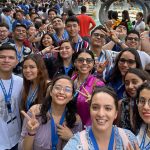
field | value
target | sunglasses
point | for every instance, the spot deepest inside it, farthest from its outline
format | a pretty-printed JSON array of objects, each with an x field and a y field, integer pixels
[{"x": 88, "y": 60}]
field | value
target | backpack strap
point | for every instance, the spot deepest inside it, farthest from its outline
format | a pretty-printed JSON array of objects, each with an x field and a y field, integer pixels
[
  {"x": 124, "y": 138},
  {"x": 83, "y": 140}
]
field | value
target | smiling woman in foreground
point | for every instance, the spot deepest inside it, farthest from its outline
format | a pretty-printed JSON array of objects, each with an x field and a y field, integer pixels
[{"x": 102, "y": 134}]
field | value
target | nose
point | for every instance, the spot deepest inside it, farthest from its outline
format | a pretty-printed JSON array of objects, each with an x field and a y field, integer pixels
[
  {"x": 84, "y": 62},
  {"x": 146, "y": 105},
  {"x": 6, "y": 59},
  {"x": 101, "y": 112},
  {"x": 130, "y": 85}
]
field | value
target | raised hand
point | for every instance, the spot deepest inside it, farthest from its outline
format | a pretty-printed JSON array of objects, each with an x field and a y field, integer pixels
[
  {"x": 50, "y": 49},
  {"x": 64, "y": 132},
  {"x": 100, "y": 67},
  {"x": 32, "y": 122}
]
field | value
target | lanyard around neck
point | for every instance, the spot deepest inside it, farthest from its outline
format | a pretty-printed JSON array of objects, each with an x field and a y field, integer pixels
[
  {"x": 54, "y": 135},
  {"x": 19, "y": 54},
  {"x": 142, "y": 145},
  {"x": 31, "y": 97},
  {"x": 7, "y": 95},
  {"x": 94, "y": 142}
]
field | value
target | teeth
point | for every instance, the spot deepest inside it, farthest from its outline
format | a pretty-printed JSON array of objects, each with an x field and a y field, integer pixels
[{"x": 101, "y": 121}]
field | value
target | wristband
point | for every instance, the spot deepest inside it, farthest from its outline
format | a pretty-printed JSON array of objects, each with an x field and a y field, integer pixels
[
  {"x": 31, "y": 134},
  {"x": 120, "y": 42}
]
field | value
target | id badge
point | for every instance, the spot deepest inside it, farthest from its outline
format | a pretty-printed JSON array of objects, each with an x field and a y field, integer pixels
[{"x": 13, "y": 127}]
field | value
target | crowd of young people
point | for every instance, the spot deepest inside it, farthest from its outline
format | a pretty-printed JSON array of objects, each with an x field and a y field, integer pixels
[{"x": 61, "y": 90}]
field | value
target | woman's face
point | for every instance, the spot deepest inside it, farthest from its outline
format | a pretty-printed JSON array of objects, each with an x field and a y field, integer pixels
[
  {"x": 61, "y": 92},
  {"x": 84, "y": 63},
  {"x": 132, "y": 82},
  {"x": 30, "y": 70},
  {"x": 32, "y": 30},
  {"x": 50, "y": 29},
  {"x": 138, "y": 17},
  {"x": 47, "y": 40},
  {"x": 103, "y": 111},
  {"x": 126, "y": 61},
  {"x": 66, "y": 50},
  {"x": 144, "y": 105}
]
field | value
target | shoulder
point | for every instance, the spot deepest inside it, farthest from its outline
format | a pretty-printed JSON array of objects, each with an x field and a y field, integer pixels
[
  {"x": 74, "y": 143},
  {"x": 18, "y": 80},
  {"x": 127, "y": 133}
]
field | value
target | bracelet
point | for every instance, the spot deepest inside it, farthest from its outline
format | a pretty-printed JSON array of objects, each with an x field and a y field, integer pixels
[
  {"x": 41, "y": 53},
  {"x": 31, "y": 134},
  {"x": 120, "y": 42}
]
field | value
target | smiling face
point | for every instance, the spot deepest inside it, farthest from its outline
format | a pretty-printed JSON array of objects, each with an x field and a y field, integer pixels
[
  {"x": 47, "y": 40},
  {"x": 132, "y": 82},
  {"x": 103, "y": 111},
  {"x": 98, "y": 38},
  {"x": 133, "y": 41},
  {"x": 30, "y": 70},
  {"x": 58, "y": 23},
  {"x": 61, "y": 92},
  {"x": 66, "y": 50},
  {"x": 73, "y": 28},
  {"x": 84, "y": 67},
  {"x": 126, "y": 61},
  {"x": 8, "y": 60},
  {"x": 20, "y": 33},
  {"x": 144, "y": 111},
  {"x": 4, "y": 32}
]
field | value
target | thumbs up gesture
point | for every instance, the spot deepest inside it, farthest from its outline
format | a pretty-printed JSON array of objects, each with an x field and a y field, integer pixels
[{"x": 32, "y": 122}]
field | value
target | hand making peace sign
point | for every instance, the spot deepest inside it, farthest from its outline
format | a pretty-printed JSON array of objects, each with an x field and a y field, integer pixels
[{"x": 32, "y": 122}]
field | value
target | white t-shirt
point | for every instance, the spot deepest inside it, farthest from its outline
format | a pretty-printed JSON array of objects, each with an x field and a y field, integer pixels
[
  {"x": 145, "y": 58},
  {"x": 10, "y": 130},
  {"x": 139, "y": 27}
]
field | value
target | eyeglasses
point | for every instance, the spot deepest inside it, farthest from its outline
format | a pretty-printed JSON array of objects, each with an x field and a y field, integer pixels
[
  {"x": 129, "y": 61},
  {"x": 99, "y": 35},
  {"x": 65, "y": 89},
  {"x": 88, "y": 60},
  {"x": 131, "y": 39},
  {"x": 142, "y": 101}
]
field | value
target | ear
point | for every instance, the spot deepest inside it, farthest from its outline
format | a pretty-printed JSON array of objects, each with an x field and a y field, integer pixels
[{"x": 116, "y": 114}]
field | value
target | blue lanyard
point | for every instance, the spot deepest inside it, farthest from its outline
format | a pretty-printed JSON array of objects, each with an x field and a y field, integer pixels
[
  {"x": 147, "y": 147},
  {"x": 19, "y": 55},
  {"x": 7, "y": 96},
  {"x": 54, "y": 135},
  {"x": 31, "y": 97},
  {"x": 67, "y": 69},
  {"x": 111, "y": 142}
]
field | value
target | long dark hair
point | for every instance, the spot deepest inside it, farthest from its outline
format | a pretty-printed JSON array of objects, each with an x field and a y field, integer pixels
[
  {"x": 42, "y": 79},
  {"x": 71, "y": 107},
  {"x": 116, "y": 72},
  {"x": 137, "y": 120}
]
